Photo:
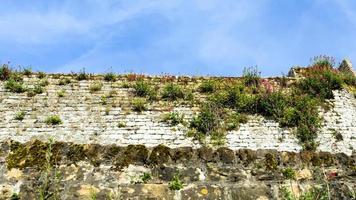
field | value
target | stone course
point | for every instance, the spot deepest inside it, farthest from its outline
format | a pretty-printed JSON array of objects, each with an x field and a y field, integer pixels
[
  {"x": 103, "y": 148},
  {"x": 87, "y": 120}
]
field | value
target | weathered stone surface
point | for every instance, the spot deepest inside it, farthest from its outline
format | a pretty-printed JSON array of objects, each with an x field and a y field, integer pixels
[
  {"x": 346, "y": 67},
  {"x": 93, "y": 157}
]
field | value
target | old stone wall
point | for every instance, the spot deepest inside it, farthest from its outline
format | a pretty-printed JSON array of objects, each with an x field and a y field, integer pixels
[
  {"x": 87, "y": 119},
  {"x": 103, "y": 149}
]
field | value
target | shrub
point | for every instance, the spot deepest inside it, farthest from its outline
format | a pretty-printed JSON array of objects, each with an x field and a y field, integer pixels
[
  {"x": 44, "y": 83},
  {"x": 135, "y": 77},
  {"x": 172, "y": 92},
  {"x": 349, "y": 79},
  {"x": 173, "y": 118},
  {"x": 323, "y": 61},
  {"x": 208, "y": 120},
  {"x": 251, "y": 76},
  {"x": 82, "y": 75},
  {"x": 27, "y": 71},
  {"x": 95, "y": 87},
  {"x": 53, "y": 120},
  {"x": 320, "y": 83},
  {"x": 175, "y": 183},
  {"x": 142, "y": 88},
  {"x": 188, "y": 96},
  {"x": 38, "y": 89},
  {"x": 139, "y": 104},
  {"x": 272, "y": 104},
  {"x": 233, "y": 121},
  {"x": 41, "y": 75},
  {"x": 20, "y": 115},
  {"x": 5, "y": 72},
  {"x": 64, "y": 81},
  {"x": 14, "y": 86},
  {"x": 109, "y": 76},
  {"x": 289, "y": 173},
  {"x": 208, "y": 86}
]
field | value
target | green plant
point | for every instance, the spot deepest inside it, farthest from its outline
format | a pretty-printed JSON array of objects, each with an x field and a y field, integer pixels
[
  {"x": 125, "y": 85},
  {"x": 64, "y": 81},
  {"x": 121, "y": 124},
  {"x": 139, "y": 104},
  {"x": 5, "y": 72},
  {"x": 175, "y": 183},
  {"x": 53, "y": 120},
  {"x": 20, "y": 115},
  {"x": 43, "y": 83},
  {"x": 15, "y": 86},
  {"x": 38, "y": 89},
  {"x": 287, "y": 194},
  {"x": 323, "y": 61},
  {"x": 27, "y": 71},
  {"x": 104, "y": 100},
  {"x": 172, "y": 92},
  {"x": 208, "y": 120},
  {"x": 93, "y": 194},
  {"x": 208, "y": 86},
  {"x": 95, "y": 87},
  {"x": 251, "y": 76},
  {"x": 31, "y": 93},
  {"x": 61, "y": 93},
  {"x": 337, "y": 135},
  {"x": 82, "y": 75},
  {"x": 289, "y": 173},
  {"x": 109, "y": 76},
  {"x": 14, "y": 196},
  {"x": 142, "y": 88},
  {"x": 316, "y": 193},
  {"x": 145, "y": 177},
  {"x": 320, "y": 82},
  {"x": 41, "y": 75},
  {"x": 173, "y": 118},
  {"x": 233, "y": 120},
  {"x": 50, "y": 176}
]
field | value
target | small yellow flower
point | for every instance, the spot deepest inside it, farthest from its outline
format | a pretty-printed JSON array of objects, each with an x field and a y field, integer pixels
[{"x": 204, "y": 191}]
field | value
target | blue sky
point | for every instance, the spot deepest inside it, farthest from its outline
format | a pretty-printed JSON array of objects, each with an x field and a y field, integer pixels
[{"x": 197, "y": 37}]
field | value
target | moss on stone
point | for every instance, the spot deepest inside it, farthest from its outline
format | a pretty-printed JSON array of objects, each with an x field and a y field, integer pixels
[
  {"x": 132, "y": 154},
  {"x": 76, "y": 153},
  {"x": 182, "y": 154},
  {"x": 226, "y": 155},
  {"x": 271, "y": 162},
  {"x": 31, "y": 154},
  {"x": 247, "y": 156},
  {"x": 160, "y": 154},
  {"x": 206, "y": 154}
]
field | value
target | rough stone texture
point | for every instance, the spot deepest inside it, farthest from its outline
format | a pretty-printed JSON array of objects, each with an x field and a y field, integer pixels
[
  {"x": 86, "y": 119},
  {"x": 243, "y": 174},
  {"x": 346, "y": 67},
  {"x": 95, "y": 158}
]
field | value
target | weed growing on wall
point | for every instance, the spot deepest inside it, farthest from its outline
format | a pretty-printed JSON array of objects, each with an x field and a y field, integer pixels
[
  {"x": 50, "y": 176},
  {"x": 172, "y": 92},
  {"x": 109, "y": 76},
  {"x": 53, "y": 120},
  {"x": 297, "y": 106},
  {"x": 175, "y": 183},
  {"x": 139, "y": 104},
  {"x": 20, "y": 115},
  {"x": 5, "y": 72}
]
